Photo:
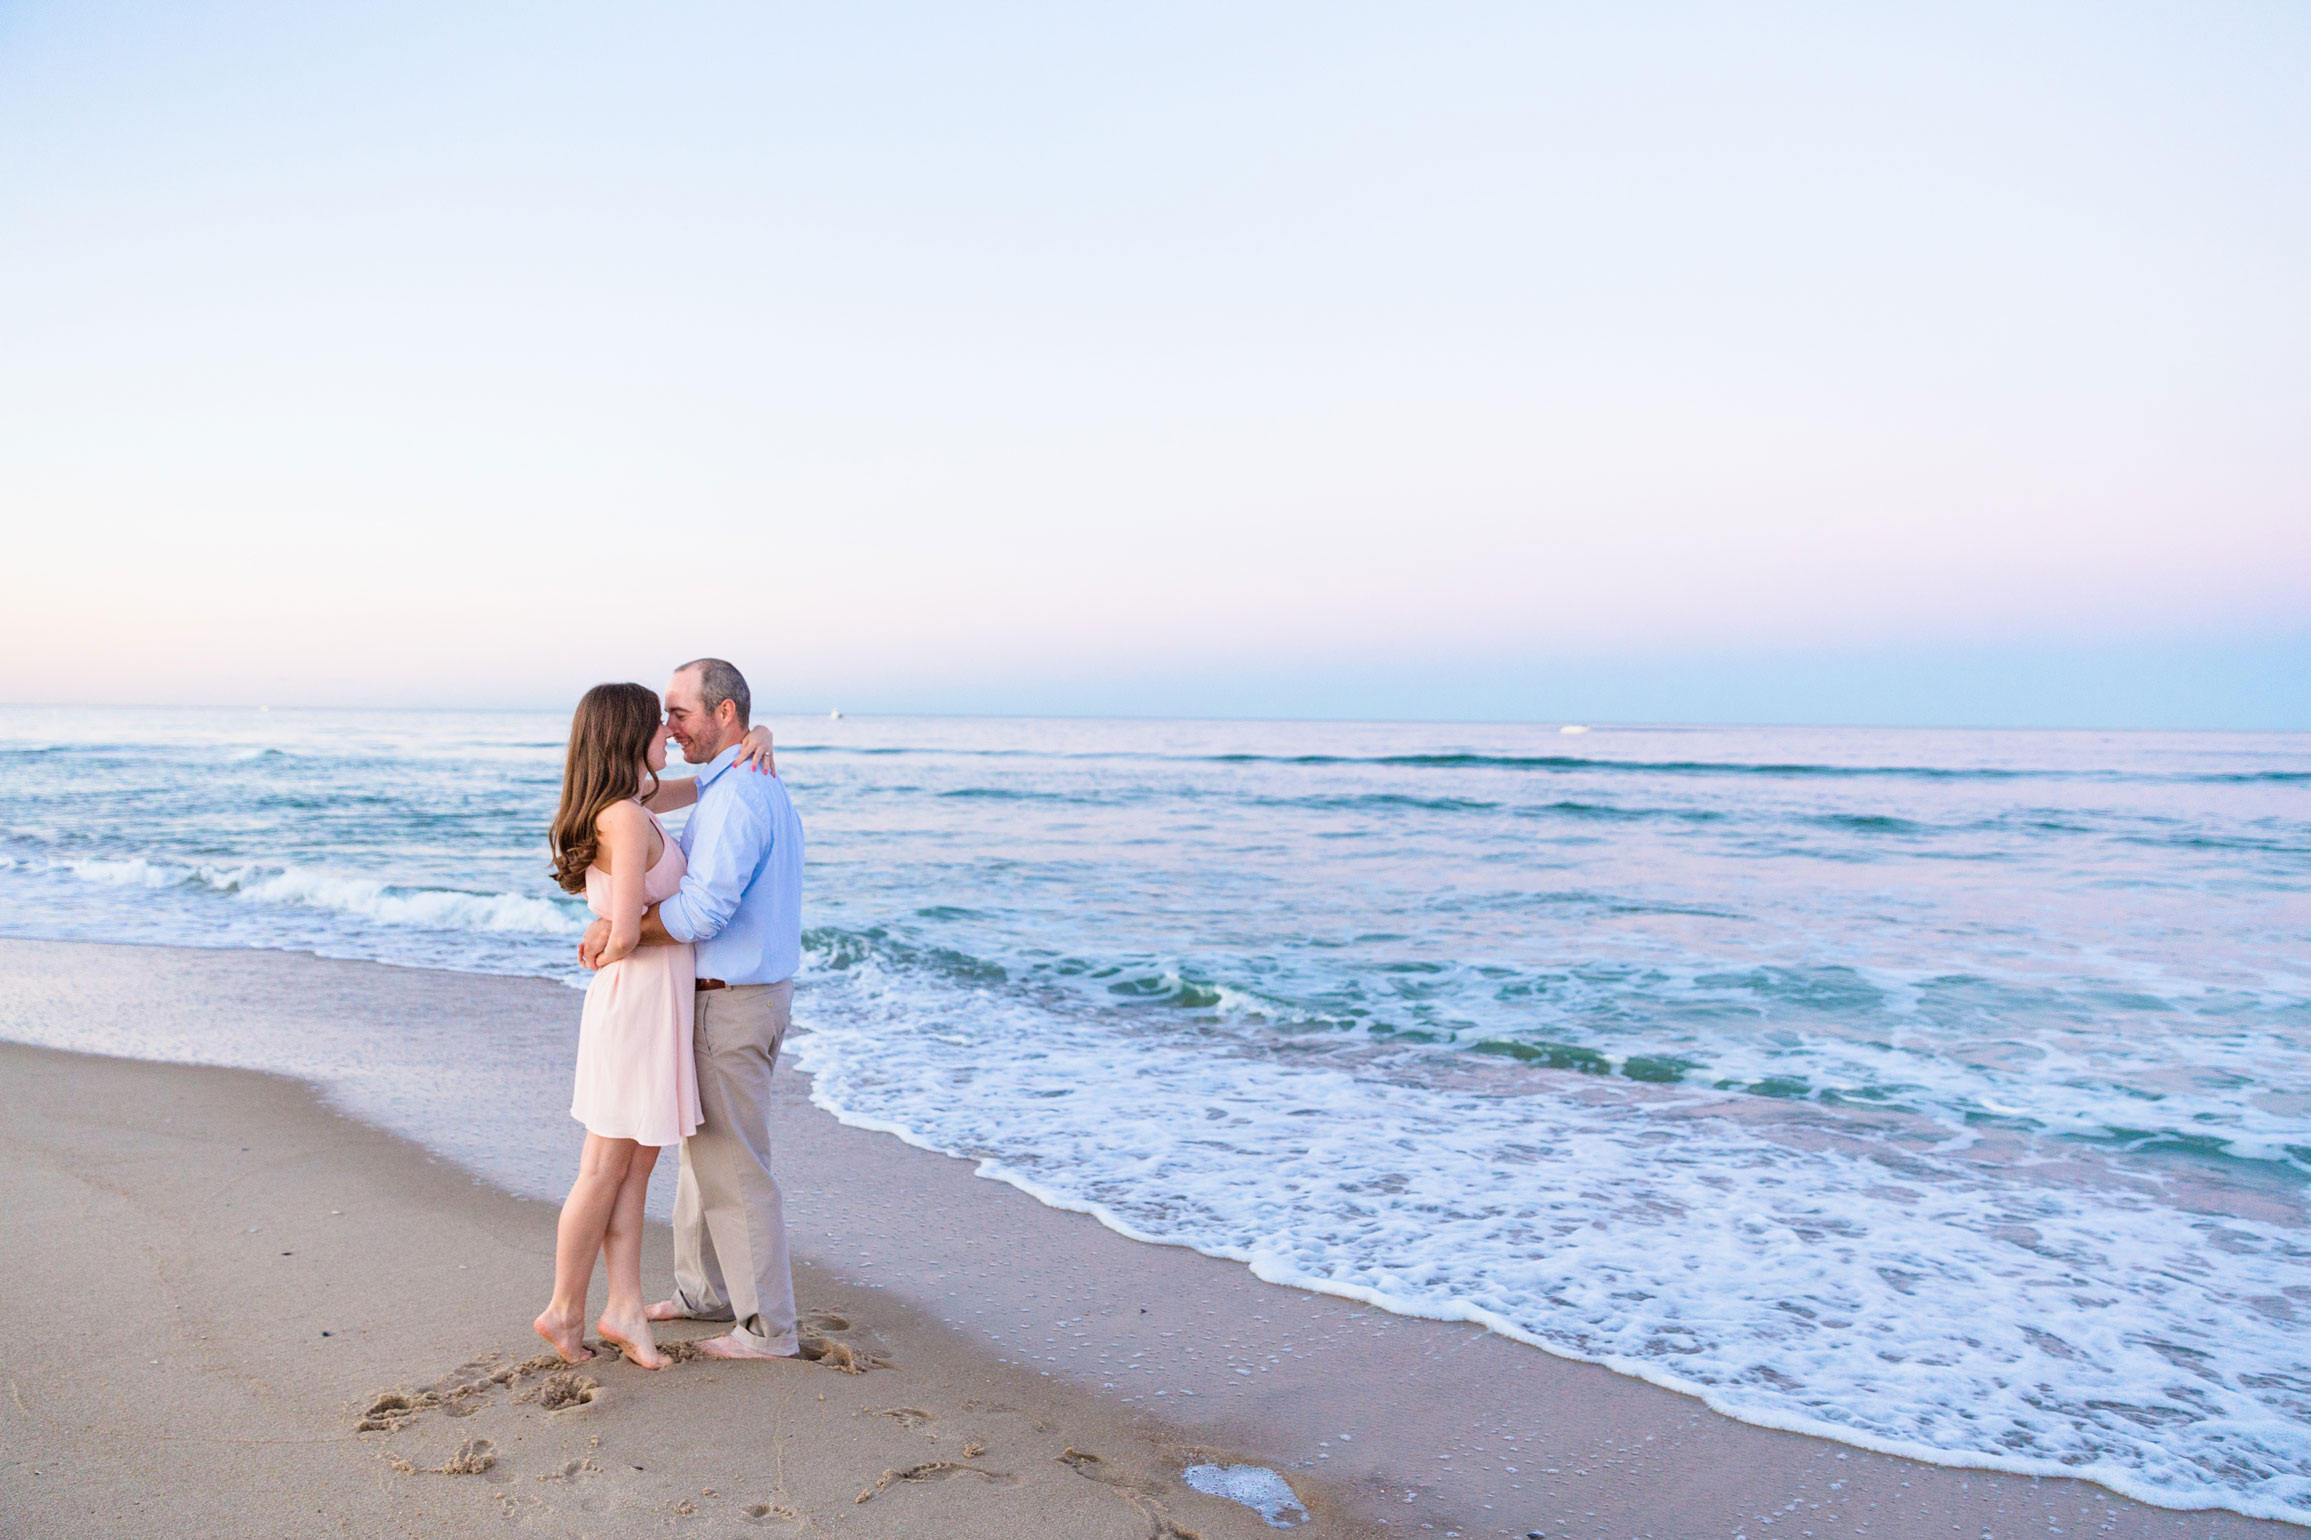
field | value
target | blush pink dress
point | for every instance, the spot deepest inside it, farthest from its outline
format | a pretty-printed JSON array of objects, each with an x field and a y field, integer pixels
[{"x": 636, "y": 1077}]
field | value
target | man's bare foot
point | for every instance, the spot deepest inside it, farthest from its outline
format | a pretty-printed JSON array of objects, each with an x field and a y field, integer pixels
[
  {"x": 633, "y": 1339},
  {"x": 566, "y": 1337},
  {"x": 665, "y": 1310},
  {"x": 728, "y": 1346}
]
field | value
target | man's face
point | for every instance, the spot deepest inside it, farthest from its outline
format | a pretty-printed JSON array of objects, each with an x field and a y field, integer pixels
[{"x": 701, "y": 734}]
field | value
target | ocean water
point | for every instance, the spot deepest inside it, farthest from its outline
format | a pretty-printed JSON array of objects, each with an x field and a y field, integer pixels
[{"x": 1946, "y": 1093}]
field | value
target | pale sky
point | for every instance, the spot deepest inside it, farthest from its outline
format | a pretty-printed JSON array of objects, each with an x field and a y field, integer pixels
[{"x": 1939, "y": 363}]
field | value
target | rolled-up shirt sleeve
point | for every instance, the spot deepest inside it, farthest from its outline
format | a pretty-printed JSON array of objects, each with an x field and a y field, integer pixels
[{"x": 729, "y": 849}]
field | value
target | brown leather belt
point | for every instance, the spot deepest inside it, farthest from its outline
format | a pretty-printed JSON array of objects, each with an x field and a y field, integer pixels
[{"x": 712, "y": 984}]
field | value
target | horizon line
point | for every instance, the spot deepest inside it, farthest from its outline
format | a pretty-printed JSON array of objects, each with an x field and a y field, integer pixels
[{"x": 1586, "y": 724}]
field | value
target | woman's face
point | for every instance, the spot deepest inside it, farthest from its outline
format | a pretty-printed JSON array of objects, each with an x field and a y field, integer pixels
[{"x": 654, "y": 760}]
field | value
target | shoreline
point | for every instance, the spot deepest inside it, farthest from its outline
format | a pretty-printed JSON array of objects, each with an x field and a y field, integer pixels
[{"x": 1270, "y": 1372}]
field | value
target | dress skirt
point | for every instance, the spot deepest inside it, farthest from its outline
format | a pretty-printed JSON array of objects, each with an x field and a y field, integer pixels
[{"x": 637, "y": 1078}]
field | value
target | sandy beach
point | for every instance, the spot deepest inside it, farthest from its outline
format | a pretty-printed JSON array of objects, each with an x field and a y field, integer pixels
[{"x": 243, "y": 1312}]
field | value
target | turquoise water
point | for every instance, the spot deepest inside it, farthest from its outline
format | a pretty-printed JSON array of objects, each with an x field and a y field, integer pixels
[{"x": 1943, "y": 1092}]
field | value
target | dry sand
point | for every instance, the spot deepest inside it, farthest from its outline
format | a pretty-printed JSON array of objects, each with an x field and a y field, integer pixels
[
  {"x": 249, "y": 1317},
  {"x": 218, "y": 1282}
]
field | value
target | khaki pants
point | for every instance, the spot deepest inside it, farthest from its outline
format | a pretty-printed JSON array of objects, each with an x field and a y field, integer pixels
[{"x": 730, "y": 1259}]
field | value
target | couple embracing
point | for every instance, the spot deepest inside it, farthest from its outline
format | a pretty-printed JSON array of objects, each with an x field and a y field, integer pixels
[{"x": 695, "y": 944}]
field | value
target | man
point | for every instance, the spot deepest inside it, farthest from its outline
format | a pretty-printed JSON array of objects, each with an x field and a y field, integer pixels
[{"x": 741, "y": 904}]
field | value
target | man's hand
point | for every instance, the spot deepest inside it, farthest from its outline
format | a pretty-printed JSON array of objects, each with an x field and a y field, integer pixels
[{"x": 590, "y": 945}]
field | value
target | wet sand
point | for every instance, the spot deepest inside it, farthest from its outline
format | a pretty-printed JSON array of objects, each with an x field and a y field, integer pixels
[{"x": 219, "y": 1279}]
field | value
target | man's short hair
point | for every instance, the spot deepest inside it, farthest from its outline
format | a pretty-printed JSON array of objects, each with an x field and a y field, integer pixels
[{"x": 718, "y": 682}]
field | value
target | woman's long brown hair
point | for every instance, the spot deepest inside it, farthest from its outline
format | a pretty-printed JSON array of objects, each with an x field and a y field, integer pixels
[{"x": 609, "y": 736}]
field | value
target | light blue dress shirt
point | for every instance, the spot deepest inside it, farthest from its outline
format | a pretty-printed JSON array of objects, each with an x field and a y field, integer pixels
[{"x": 741, "y": 900}]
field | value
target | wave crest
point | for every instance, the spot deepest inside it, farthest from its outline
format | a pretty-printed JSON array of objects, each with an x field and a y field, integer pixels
[{"x": 384, "y": 903}]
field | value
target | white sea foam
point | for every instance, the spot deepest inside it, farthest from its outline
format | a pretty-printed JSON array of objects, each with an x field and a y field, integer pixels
[
  {"x": 133, "y": 873},
  {"x": 369, "y": 899},
  {"x": 432, "y": 908},
  {"x": 1255, "y": 1486},
  {"x": 2095, "y": 1089},
  {"x": 1914, "y": 1307}
]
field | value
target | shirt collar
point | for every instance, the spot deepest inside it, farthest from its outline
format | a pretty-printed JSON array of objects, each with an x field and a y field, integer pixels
[{"x": 719, "y": 763}]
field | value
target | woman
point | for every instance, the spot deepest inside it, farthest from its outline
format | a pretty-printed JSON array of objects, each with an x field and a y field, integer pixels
[{"x": 637, "y": 1085}]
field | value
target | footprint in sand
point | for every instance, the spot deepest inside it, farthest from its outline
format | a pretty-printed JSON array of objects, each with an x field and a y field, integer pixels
[
  {"x": 473, "y": 1457},
  {"x": 826, "y": 1352},
  {"x": 1033, "y": 1421},
  {"x": 935, "y": 1470},
  {"x": 772, "y": 1513},
  {"x": 830, "y": 1354},
  {"x": 391, "y": 1411},
  {"x": 567, "y": 1390},
  {"x": 459, "y": 1393},
  {"x": 1142, "y": 1498}
]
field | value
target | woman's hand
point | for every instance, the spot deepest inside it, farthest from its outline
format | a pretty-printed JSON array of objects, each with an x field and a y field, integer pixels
[
  {"x": 756, "y": 751},
  {"x": 591, "y": 945},
  {"x": 598, "y": 947}
]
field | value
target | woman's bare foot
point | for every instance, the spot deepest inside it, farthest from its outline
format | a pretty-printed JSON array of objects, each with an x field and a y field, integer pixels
[
  {"x": 566, "y": 1335},
  {"x": 665, "y": 1310},
  {"x": 633, "y": 1339}
]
